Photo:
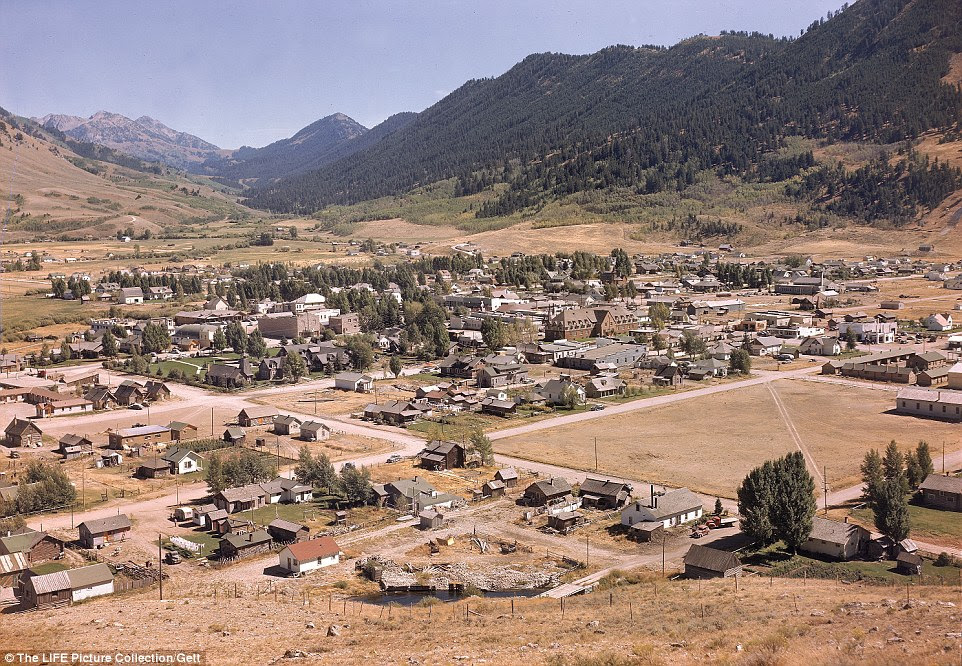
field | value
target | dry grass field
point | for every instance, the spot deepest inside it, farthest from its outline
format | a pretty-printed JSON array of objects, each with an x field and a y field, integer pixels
[
  {"x": 709, "y": 443},
  {"x": 650, "y": 622}
]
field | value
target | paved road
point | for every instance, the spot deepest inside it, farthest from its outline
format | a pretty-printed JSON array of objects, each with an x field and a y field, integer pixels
[{"x": 760, "y": 377}]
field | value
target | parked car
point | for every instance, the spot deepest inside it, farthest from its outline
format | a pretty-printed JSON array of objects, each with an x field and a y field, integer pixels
[
  {"x": 135, "y": 406},
  {"x": 785, "y": 357},
  {"x": 596, "y": 407},
  {"x": 393, "y": 458},
  {"x": 349, "y": 465}
]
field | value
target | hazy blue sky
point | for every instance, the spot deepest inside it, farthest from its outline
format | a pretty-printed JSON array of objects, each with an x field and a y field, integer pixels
[{"x": 252, "y": 72}]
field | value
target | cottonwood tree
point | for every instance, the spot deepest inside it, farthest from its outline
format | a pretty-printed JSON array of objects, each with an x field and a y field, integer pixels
[
  {"x": 236, "y": 337},
  {"x": 294, "y": 366},
  {"x": 356, "y": 484},
  {"x": 777, "y": 501},
  {"x": 480, "y": 443}
]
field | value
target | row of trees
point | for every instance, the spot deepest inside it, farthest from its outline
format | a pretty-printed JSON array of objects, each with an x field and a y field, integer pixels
[
  {"x": 43, "y": 487},
  {"x": 889, "y": 479},
  {"x": 353, "y": 484},
  {"x": 238, "y": 468}
]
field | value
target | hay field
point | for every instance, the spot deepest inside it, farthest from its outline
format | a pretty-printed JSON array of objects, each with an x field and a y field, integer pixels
[{"x": 709, "y": 443}]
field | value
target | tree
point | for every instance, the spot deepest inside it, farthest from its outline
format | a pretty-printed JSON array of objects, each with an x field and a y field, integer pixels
[
  {"x": 851, "y": 342},
  {"x": 893, "y": 465},
  {"x": 480, "y": 444},
  {"x": 109, "y": 343},
  {"x": 691, "y": 344},
  {"x": 361, "y": 352},
  {"x": 794, "y": 506},
  {"x": 155, "y": 338},
  {"x": 777, "y": 501},
  {"x": 356, "y": 484},
  {"x": 138, "y": 364},
  {"x": 256, "y": 346},
  {"x": 494, "y": 334},
  {"x": 65, "y": 353},
  {"x": 216, "y": 480},
  {"x": 396, "y": 366},
  {"x": 294, "y": 366},
  {"x": 659, "y": 314},
  {"x": 236, "y": 337},
  {"x": 873, "y": 476},
  {"x": 316, "y": 471},
  {"x": 913, "y": 473},
  {"x": 569, "y": 397},
  {"x": 246, "y": 467},
  {"x": 740, "y": 362},
  {"x": 718, "y": 506},
  {"x": 44, "y": 487},
  {"x": 755, "y": 501},
  {"x": 220, "y": 340},
  {"x": 892, "y": 511},
  {"x": 924, "y": 458}
]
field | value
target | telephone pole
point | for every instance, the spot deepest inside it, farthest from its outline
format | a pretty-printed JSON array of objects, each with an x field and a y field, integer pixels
[
  {"x": 825, "y": 487},
  {"x": 160, "y": 565},
  {"x": 596, "y": 454}
]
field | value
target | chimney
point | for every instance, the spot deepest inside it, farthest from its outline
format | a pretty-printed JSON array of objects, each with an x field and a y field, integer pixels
[
  {"x": 846, "y": 519},
  {"x": 653, "y": 494},
  {"x": 656, "y": 502}
]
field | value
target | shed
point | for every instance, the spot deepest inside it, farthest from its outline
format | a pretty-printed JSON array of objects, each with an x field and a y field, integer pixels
[
  {"x": 431, "y": 519},
  {"x": 493, "y": 488},
  {"x": 236, "y": 546},
  {"x": 508, "y": 475},
  {"x": 909, "y": 564},
  {"x": 285, "y": 531},
  {"x": 705, "y": 562},
  {"x": 565, "y": 521},
  {"x": 103, "y": 531}
]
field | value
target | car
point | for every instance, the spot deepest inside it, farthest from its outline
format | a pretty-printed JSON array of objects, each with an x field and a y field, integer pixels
[
  {"x": 393, "y": 458},
  {"x": 597, "y": 408},
  {"x": 785, "y": 357},
  {"x": 172, "y": 557},
  {"x": 349, "y": 465},
  {"x": 135, "y": 406}
]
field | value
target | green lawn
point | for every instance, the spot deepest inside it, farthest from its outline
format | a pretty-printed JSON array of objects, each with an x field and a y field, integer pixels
[
  {"x": 925, "y": 524},
  {"x": 774, "y": 561},
  {"x": 49, "y": 567}
]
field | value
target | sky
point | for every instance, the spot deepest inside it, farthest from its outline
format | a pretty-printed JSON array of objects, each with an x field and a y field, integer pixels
[{"x": 248, "y": 73}]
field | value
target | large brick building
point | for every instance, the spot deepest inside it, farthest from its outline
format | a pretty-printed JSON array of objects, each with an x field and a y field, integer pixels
[{"x": 578, "y": 323}]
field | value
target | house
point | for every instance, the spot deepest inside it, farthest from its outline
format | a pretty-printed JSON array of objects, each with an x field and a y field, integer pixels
[
  {"x": 354, "y": 381},
  {"x": 667, "y": 375},
  {"x": 841, "y": 541},
  {"x": 438, "y": 455},
  {"x": 345, "y": 324},
  {"x": 565, "y": 521},
  {"x": 554, "y": 391},
  {"x": 241, "y": 498},
  {"x": 938, "y": 322},
  {"x": 159, "y": 293},
  {"x": 153, "y": 468},
  {"x": 676, "y": 507},
  {"x": 315, "y": 431},
  {"x": 541, "y": 493},
  {"x": 35, "y": 546},
  {"x": 909, "y": 564},
  {"x": 129, "y": 393},
  {"x": 256, "y": 416},
  {"x": 182, "y": 431},
  {"x": 227, "y": 376},
  {"x": 130, "y": 296},
  {"x": 506, "y": 374},
  {"x": 63, "y": 588},
  {"x": 101, "y": 397},
  {"x": 604, "y": 493},
  {"x": 103, "y": 531},
  {"x": 930, "y": 403},
  {"x": 706, "y": 368},
  {"x": 75, "y": 446},
  {"x": 394, "y": 412},
  {"x": 157, "y": 391},
  {"x": 22, "y": 433},
  {"x": 131, "y": 438},
  {"x": 498, "y": 407},
  {"x": 413, "y": 495},
  {"x": 604, "y": 387},
  {"x": 820, "y": 346},
  {"x": 235, "y": 435},
  {"x": 237, "y": 546},
  {"x": 507, "y": 475},
  {"x": 202, "y": 512},
  {"x": 705, "y": 562},
  {"x": 765, "y": 345},
  {"x": 306, "y": 556},
  {"x": 942, "y": 492},
  {"x": 65, "y": 406},
  {"x": 493, "y": 488},
  {"x": 431, "y": 519},
  {"x": 183, "y": 461},
  {"x": 294, "y": 492},
  {"x": 284, "y": 531},
  {"x": 287, "y": 425}
]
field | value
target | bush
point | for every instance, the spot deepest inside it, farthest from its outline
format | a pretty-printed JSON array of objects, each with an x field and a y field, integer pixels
[{"x": 945, "y": 560}]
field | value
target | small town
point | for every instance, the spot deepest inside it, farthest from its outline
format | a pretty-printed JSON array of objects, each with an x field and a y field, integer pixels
[{"x": 458, "y": 333}]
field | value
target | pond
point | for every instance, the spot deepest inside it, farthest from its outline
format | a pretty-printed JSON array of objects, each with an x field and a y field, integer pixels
[{"x": 413, "y": 598}]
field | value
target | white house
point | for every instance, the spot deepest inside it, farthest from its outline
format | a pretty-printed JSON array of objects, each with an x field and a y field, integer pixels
[
  {"x": 870, "y": 332},
  {"x": 820, "y": 346},
  {"x": 354, "y": 381},
  {"x": 675, "y": 507},
  {"x": 183, "y": 461},
  {"x": 553, "y": 390},
  {"x": 842, "y": 541},
  {"x": 293, "y": 492},
  {"x": 315, "y": 431},
  {"x": 939, "y": 322},
  {"x": 307, "y": 556}
]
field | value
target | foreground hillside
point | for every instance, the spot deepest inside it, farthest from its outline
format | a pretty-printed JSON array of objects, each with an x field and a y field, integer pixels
[{"x": 651, "y": 622}]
